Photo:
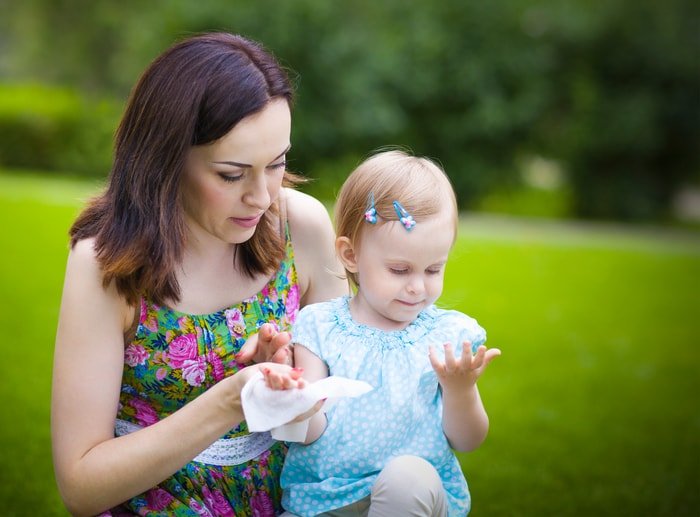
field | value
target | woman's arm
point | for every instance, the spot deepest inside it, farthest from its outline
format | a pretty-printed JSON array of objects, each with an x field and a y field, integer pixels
[
  {"x": 464, "y": 419},
  {"x": 313, "y": 238},
  {"x": 95, "y": 470}
]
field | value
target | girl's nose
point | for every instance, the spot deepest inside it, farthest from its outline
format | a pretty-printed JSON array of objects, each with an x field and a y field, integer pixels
[{"x": 415, "y": 285}]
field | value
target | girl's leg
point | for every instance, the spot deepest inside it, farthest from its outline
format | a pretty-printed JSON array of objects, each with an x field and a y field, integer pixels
[
  {"x": 357, "y": 509},
  {"x": 408, "y": 486}
]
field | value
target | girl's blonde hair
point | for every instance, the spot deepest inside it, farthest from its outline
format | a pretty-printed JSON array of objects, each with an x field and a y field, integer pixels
[{"x": 418, "y": 183}]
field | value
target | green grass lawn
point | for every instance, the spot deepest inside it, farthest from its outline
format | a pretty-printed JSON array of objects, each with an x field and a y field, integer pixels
[{"x": 594, "y": 403}]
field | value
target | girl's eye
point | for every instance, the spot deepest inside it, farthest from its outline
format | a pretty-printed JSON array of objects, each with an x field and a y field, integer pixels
[
  {"x": 398, "y": 271},
  {"x": 281, "y": 165},
  {"x": 433, "y": 271}
]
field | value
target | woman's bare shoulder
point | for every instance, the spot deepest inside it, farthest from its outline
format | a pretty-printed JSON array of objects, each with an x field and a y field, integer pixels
[
  {"x": 314, "y": 246},
  {"x": 302, "y": 207},
  {"x": 85, "y": 278}
]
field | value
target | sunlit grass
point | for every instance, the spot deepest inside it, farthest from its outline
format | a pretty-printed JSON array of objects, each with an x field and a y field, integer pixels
[{"x": 593, "y": 405}]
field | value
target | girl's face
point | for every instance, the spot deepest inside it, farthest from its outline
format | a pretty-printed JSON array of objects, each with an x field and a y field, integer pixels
[
  {"x": 229, "y": 184},
  {"x": 400, "y": 273}
]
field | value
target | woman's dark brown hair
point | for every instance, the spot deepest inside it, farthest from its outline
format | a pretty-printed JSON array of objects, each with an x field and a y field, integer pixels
[{"x": 192, "y": 94}]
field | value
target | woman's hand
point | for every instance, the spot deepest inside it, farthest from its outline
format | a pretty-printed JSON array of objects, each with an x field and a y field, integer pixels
[{"x": 267, "y": 345}]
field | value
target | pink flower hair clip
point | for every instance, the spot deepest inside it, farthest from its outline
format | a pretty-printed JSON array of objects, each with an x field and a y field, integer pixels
[
  {"x": 406, "y": 219},
  {"x": 371, "y": 213}
]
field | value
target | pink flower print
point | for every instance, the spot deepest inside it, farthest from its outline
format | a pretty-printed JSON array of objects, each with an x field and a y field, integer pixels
[
  {"x": 199, "y": 509},
  {"x": 193, "y": 371},
  {"x": 262, "y": 505},
  {"x": 246, "y": 473},
  {"x": 158, "y": 499},
  {"x": 272, "y": 295},
  {"x": 263, "y": 460},
  {"x": 292, "y": 305},
  {"x": 148, "y": 319},
  {"x": 145, "y": 414},
  {"x": 181, "y": 349},
  {"x": 161, "y": 373},
  {"x": 235, "y": 322},
  {"x": 135, "y": 355},
  {"x": 216, "y": 502},
  {"x": 217, "y": 367}
]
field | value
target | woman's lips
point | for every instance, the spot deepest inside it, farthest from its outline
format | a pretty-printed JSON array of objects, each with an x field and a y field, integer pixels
[{"x": 246, "y": 222}]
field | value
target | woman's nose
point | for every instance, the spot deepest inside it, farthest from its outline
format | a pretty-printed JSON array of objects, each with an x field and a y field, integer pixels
[{"x": 257, "y": 194}]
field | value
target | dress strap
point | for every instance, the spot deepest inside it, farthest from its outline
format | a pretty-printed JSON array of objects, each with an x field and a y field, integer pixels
[{"x": 282, "y": 204}]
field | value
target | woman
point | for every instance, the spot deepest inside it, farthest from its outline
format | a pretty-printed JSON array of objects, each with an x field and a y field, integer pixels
[{"x": 195, "y": 245}]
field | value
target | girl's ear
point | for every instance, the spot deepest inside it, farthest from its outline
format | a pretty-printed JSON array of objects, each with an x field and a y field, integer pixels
[{"x": 346, "y": 253}]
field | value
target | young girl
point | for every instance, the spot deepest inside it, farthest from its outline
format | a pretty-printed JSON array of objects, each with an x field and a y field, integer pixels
[{"x": 388, "y": 452}]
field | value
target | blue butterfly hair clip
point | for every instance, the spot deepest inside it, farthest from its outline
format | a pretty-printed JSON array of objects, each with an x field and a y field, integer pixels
[{"x": 406, "y": 219}]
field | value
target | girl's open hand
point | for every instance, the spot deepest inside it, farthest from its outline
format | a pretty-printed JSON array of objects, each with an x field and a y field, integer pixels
[
  {"x": 278, "y": 378},
  {"x": 281, "y": 378},
  {"x": 462, "y": 372}
]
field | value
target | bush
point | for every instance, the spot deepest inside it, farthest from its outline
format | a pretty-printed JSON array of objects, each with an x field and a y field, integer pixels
[{"x": 55, "y": 129}]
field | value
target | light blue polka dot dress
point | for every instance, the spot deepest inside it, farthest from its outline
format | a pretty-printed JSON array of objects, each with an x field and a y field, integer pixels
[{"x": 402, "y": 415}]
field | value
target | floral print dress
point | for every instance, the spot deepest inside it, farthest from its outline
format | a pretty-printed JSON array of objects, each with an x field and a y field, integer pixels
[{"x": 175, "y": 357}]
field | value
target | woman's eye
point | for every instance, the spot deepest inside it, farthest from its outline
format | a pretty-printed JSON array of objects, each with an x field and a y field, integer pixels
[
  {"x": 230, "y": 178},
  {"x": 281, "y": 165}
]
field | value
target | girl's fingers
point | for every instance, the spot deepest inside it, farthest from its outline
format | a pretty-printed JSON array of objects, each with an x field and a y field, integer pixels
[
  {"x": 450, "y": 361},
  {"x": 478, "y": 359},
  {"x": 487, "y": 358},
  {"x": 490, "y": 354},
  {"x": 437, "y": 365}
]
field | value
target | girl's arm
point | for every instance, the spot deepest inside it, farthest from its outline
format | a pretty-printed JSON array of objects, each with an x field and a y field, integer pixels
[
  {"x": 313, "y": 369},
  {"x": 465, "y": 422},
  {"x": 95, "y": 470},
  {"x": 318, "y": 267}
]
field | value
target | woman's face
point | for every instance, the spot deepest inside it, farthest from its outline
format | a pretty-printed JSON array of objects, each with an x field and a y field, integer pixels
[{"x": 230, "y": 183}]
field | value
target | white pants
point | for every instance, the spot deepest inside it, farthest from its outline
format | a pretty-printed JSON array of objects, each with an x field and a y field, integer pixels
[{"x": 407, "y": 486}]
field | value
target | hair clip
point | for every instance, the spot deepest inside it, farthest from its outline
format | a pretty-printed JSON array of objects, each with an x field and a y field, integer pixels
[
  {"x": 405, "y": 218},
  {"x": 371, "y": 213}
]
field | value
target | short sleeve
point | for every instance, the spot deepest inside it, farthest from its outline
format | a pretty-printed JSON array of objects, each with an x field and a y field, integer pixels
[
  {"x": 313, "y": 328},
  {"x": 474, "y": 333},
  {"x": 463, "y": 328}
]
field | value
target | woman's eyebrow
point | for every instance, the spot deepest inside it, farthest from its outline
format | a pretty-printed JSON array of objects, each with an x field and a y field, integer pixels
[{"x": 245, "y": 165}]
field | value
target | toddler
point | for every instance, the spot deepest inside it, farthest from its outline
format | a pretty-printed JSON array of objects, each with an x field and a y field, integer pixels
[{"x": 389, "y": 451}]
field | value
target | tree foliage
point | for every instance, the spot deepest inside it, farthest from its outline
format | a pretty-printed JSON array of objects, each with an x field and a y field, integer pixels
[{"x": 609, "y": 89}]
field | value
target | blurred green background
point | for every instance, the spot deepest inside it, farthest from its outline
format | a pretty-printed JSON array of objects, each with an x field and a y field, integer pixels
[{"x": 571, "y": 132}]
